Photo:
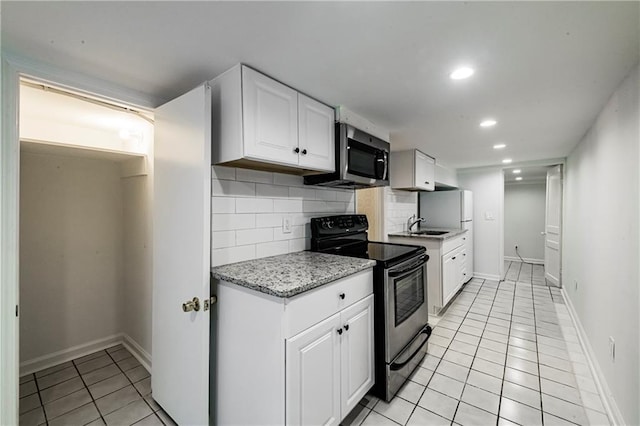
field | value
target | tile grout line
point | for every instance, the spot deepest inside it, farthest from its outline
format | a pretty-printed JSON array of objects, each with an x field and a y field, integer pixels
[
  {"x": 477, "y": 347},
  {"x": 506, "y": 355},
  {"x": 134, "y": 387},
  {"x": 88, "y": 391},
  {"x": 535, "y": 329}
]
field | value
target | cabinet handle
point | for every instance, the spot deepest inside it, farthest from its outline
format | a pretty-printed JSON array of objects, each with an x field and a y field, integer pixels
[
  {"x": 296, "y": 150},
  {"x": 346, "y": 327},
  {"x": 453, "y": 258},
  {"x": 341, "y": 295},
  {"x": 339, "y": 331},
  {"x": 426, "y": 182},
  {"x": 304, "y": 152}
]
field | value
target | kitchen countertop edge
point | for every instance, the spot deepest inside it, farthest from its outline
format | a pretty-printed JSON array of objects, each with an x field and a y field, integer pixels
[
  {"x": 300, "y": 268},
  {"x": 450, "y": 234}
]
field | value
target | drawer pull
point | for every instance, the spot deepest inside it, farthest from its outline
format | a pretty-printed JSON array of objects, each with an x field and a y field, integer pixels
[
  {"x": 339, "y": 331},
  {"x": 341, "y": 295},
  {"x": 346, "y": 327},
  {"x": 453, "y": 258}
]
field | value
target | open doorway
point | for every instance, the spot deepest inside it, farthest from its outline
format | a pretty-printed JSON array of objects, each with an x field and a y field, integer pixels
[
  {"x": 85, "y": 284},
  {"x": 532, "y": 217}
]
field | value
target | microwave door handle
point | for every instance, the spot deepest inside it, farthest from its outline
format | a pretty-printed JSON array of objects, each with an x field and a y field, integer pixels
[{"x": 385, "y": 174}]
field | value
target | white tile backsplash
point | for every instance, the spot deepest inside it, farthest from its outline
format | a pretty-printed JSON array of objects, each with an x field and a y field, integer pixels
[
  {"x": 399, "y": 206},
  {"x": 248, "y": 208}
]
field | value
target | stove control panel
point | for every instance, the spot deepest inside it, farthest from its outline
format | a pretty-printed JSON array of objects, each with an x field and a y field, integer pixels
[{"x": 338, "y": 225}]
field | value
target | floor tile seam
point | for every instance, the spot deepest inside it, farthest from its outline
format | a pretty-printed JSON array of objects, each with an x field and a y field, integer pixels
[
  {"x": 40, "y": 399},
  {"x": 53, "y": 372},
  {"x": 76, "y": 408},
  {"x": 504, "y": 370},
  {"x": 77, "y": 362},
  {"x": 88, "y": 391},
  {"x": 535, "y": 327},
  {"x": 474, "y": 358},
  {"x": 136, "y": 389},
  {"x": 380, "y": 414}
]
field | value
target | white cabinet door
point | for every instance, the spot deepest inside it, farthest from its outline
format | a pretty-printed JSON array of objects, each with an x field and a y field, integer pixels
[
  {"x": 316, "y": 134},
  {"x": 181, "y": 253},
  {"x": 424, "y": 172},
  {"x": 313, "y": 374},
  {"x": 270, "y": 119},
  {"x": 357, "y": 353},
  {"x": 450, "y": 275}
]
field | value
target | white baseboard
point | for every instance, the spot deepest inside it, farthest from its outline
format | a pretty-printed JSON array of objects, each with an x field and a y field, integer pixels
[
  {"x": 46, "y": 361},
  {"x": 486, "y": 276},
  {"x": 526, "y": 259},
  {"x": 613, "y": 412},
  {"x": 137, "y": 351},
  {"x": 55, "y": 358}
]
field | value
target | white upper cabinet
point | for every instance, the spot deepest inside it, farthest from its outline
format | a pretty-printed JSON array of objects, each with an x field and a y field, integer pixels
[
  {"x": 412, "y": 170},
  {"x": 260, "y": 123},
  {"x": 270, "y": 118},
  {"x": 315, "y": 128}
]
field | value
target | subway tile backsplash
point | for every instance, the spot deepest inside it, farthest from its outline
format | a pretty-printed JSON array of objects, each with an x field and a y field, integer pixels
[
  {"x": 399, "y": 206},
  {"x": 248, "y": 209}
]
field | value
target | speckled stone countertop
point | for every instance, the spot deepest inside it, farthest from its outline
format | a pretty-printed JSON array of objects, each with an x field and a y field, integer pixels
[
  {"x": 290, "y": 274},
  {"x": 450, "y": 233}
]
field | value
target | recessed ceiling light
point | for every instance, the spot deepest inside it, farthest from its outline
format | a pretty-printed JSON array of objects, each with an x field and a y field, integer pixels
[
  {"x": 516, "y": 171},
  {"x": 519, "y": 178},
  {"x": 461, "y": 73},
  {"x": 489, "y": 122},
  {"x": 499, "y": 146},
  {"x": 507, "y": 160}
]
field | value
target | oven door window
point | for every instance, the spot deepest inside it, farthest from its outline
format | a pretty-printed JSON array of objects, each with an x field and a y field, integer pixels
[
  {"x": 409, "y": 294},
  {"x": 364, "y": 160}
]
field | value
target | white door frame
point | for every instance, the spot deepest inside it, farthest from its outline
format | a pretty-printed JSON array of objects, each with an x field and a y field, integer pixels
[
  {"x": 12, "y": 68},
  {"x": 559, "y": 170}
]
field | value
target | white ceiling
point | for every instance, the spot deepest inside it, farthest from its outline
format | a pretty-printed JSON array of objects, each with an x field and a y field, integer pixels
[{"x": 543, "y": 69}]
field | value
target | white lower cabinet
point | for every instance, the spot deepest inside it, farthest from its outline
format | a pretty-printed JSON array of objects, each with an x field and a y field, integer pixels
[
  {"x": 330, "y": 366},
  {"x": 446, "y": 269},
  {"x": 304, "y": 360}
]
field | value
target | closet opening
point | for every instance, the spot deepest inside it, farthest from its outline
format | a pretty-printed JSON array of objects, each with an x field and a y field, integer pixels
[{"x": 85, "y": 256}]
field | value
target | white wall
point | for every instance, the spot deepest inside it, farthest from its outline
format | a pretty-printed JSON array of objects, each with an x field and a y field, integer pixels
[
  {"x": 71, "y": 240},
  {"x": 137, "y": 282},
  {"x": 248, "y": 208},
  {"x": 600, "y": 244},
  {"x": 524, "y": 211},
  {"x": 488, "y": 222}
]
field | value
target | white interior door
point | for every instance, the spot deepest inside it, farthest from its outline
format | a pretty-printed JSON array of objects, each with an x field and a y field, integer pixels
[
  {"x": 181, "y": 249},
  {"x": 553, "y": 225}
]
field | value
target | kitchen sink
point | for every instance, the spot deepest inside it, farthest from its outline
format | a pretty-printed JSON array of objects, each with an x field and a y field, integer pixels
[{"x": 430, "y": 232}]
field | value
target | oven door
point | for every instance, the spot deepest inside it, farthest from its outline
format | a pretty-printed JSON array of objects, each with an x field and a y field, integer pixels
[{"x": 406, "y": 310}]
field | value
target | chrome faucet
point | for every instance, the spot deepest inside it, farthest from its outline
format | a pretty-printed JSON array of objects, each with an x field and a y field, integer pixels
[{"x": 412, "y": 221}]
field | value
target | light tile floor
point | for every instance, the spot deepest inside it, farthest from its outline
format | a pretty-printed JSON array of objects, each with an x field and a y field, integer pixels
[
  {"x": 503, "y": 353},
  {"x": 106, "y": 387}
]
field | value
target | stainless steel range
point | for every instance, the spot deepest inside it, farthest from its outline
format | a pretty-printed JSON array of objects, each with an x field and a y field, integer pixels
[{"x": 400, "y": 295}]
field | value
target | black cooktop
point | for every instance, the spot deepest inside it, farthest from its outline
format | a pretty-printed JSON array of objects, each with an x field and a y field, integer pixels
[{"x": 346, "y": 235}]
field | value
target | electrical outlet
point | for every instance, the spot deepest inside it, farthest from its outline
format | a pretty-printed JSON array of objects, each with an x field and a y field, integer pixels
[
  {"x": 612, "y": 349},
  {"x": 286, "y": 225}
]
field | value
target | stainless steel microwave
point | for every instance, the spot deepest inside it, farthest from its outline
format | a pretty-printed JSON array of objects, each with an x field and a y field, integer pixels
[{"x": 362, "y": 160}]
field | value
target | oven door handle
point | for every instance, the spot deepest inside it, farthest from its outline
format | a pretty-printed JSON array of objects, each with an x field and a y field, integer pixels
[
  {"x": 413, "y": 266},
  {"x": 396, "y": 366}
]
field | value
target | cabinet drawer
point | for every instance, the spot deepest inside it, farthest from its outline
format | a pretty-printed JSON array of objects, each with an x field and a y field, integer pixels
[
  {"x": 452, "y": 243},
  {"x": 309, "y": 308}
]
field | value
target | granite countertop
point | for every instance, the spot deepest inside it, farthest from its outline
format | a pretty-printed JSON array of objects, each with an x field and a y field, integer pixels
[
  {"x": 450, "y": 233},
  {"x": 290, "y": 274}
]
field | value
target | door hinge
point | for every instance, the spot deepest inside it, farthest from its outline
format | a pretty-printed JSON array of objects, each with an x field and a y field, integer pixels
[{"x": 17, "y": 310}]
